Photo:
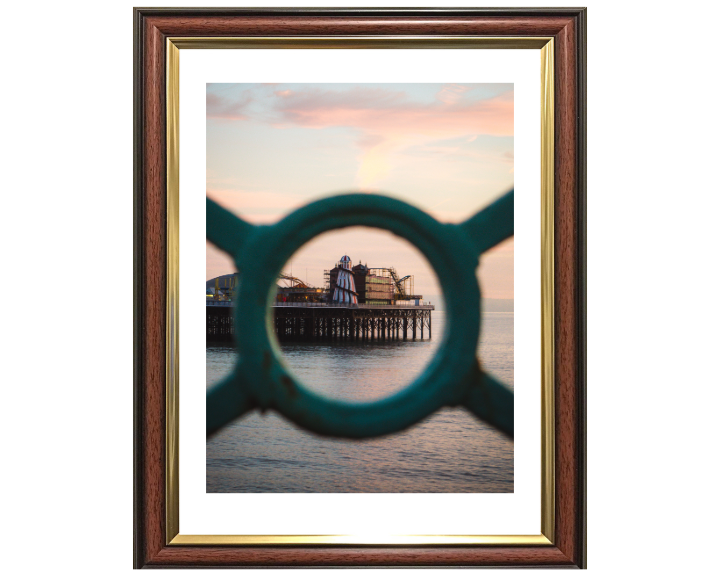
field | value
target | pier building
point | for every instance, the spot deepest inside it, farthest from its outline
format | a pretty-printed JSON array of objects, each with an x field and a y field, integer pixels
[{"x": 357, "y": 303}]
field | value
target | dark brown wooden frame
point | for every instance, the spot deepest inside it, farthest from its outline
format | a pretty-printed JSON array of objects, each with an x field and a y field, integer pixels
[{"x": 152, "y": 26}]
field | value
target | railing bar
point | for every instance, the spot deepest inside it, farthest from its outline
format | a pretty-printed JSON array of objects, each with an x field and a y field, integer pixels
[
  {"x": 224, "y": 229},
  {"x": 492, "y": 224}
]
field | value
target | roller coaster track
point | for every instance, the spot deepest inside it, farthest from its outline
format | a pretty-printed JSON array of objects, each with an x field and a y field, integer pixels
[
  {"x": 294, "y": 282},
  {"x": 398, "y": 281}
]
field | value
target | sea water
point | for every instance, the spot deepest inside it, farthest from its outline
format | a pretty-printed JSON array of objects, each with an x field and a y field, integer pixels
[{"x": 450, "y": 451}]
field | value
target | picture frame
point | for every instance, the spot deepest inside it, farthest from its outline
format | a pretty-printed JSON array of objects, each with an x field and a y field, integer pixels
[{"x": 159, "y": 35}]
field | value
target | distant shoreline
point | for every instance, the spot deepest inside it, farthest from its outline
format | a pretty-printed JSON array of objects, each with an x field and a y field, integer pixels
[{"x": 488, "y": 304}]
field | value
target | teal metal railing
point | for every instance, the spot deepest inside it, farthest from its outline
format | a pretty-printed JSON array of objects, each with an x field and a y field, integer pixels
[{"x": 455, "y": 377}]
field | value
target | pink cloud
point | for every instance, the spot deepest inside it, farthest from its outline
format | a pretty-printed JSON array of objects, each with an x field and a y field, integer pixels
[
  {"x": 462, "y": 152},
  {"x": 378, "y": 111},
  {"x": 452, "y": 93},
  {"x": 389, "y": 122},
  {"x": 256, "y": 206},
  {"x": 227, "y": 108},
  {"x": 367, "y": 141}
]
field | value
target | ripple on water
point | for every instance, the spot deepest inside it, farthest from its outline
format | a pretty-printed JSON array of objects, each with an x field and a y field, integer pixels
[{"x": 451, "y": 451}]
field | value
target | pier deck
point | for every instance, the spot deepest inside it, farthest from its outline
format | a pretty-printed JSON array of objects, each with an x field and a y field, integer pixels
[{"x": 311, "y": 321}]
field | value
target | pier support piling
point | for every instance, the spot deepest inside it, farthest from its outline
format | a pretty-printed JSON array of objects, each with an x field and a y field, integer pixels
[{"x": 355, "y": 323}]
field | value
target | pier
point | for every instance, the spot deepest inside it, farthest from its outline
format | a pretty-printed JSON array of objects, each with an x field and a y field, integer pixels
[
  {"x": 357, "y": 303},
  {"x": 330, "y": 321}
]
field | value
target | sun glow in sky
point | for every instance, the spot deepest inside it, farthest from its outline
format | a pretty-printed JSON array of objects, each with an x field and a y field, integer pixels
[{"x": 445, "y": 148}]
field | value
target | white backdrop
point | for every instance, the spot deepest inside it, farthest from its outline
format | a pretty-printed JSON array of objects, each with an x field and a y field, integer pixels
[
  {"x": 67, "y": 253},
  {"x": 516, "y": 513}
]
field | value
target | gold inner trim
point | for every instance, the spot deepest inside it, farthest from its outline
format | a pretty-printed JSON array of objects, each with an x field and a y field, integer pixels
[
  {"x": 172, "y": 351},
  {"x": 362, "y": 42},
  {"x": 547, "y": 290},
  {"x": 358, "y": 539},
  {"x": 547, "y": 521}
]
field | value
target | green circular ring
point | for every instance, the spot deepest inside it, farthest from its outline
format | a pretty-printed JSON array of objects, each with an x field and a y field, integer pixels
[{"x": 272, "y": 385}]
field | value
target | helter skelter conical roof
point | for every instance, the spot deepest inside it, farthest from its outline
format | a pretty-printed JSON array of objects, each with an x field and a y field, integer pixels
[{"x": 345, "y": 262}]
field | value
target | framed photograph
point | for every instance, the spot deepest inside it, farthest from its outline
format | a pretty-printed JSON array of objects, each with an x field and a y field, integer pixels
[{"x": 389, "y": 365}]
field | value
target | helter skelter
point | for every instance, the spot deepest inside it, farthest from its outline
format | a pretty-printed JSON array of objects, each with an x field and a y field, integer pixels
[{"x": 345, "y": 286}]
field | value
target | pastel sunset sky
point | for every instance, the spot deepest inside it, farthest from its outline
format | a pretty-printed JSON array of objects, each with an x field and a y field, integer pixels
[{"x": 445, "y": 148}]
